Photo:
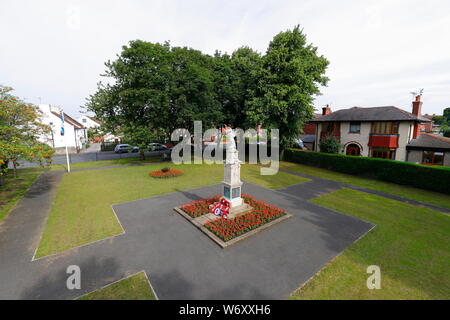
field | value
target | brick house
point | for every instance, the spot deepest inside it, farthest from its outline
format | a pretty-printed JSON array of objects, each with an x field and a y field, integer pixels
[{"x": 380, "y": 132}]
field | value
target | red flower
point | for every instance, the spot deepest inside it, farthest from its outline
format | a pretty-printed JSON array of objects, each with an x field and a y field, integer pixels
[{"x": 261, "y": 213}]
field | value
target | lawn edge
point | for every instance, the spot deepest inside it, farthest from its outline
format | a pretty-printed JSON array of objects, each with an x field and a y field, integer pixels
[
  {"x": 127, "y": 277},
  {"x": 425, "y": 204},
  {"x": 79, "y": 246},
  {"x": 328, "y": 263},
  {"x": 19, "y": 197}
]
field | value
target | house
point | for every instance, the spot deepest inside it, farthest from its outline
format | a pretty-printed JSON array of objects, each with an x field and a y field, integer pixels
[
  {"x": 89, "y": 122},
  {"x": 431, "y": 126},
  {"x": 429, "y": 149},
  {"x": 380, "y": 132},
  {"x": 308, "y": 135},
  {"x": 75, "y": 134}
]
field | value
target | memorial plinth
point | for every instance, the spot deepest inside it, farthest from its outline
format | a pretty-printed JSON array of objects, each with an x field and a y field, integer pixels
[{"x": 232, "y": 182}]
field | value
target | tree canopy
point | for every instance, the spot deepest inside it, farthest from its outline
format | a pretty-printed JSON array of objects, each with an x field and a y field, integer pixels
[
  {"x": 20, "y": 130},
  {"x": 160, "y": 88}
]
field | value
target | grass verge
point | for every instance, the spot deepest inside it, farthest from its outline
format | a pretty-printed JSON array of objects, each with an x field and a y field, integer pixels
[
  {"x": 106, "y": 163},
  {"x": 430, "y": 197},
  {"x": 135, "y": 287},
  {"x": 14, "y": 188},
  {"x": 82, "y": 212},
  {"x": 410, "y": 244}
]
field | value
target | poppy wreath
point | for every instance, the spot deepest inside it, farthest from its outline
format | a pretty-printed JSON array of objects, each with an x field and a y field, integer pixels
[
  {"x": 169, "y": 173},
  {"x": 261, "y": 214}
]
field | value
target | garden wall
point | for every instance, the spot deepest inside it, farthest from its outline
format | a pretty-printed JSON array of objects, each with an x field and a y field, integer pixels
[{"x": 414, "y": 175}]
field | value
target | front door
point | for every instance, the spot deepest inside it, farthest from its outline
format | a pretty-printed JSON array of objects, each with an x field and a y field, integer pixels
[{"x": 353, "y": 150}]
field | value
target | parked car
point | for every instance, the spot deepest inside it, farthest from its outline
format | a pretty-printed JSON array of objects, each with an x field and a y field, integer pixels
[
  {"x": 124, "y": 148},
  {"x": 157, "y": 147},
  {"x": 164, "y": 150}
]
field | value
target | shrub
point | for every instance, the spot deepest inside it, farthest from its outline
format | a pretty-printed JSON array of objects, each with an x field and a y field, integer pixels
[
  {"x": 166, "y": 169},
  {"x": 406, "y": 173},
  {"x": 329, "y": 145}
]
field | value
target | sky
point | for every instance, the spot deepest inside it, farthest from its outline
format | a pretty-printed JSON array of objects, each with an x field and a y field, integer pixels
[{"x": 53, "y": 52}]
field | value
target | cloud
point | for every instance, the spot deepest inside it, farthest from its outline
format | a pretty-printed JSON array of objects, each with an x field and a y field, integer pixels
[{"x": 379, "y": 51}]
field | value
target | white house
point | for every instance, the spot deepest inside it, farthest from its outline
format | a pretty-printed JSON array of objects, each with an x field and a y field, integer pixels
[
  {"x": 88, "y": 122},
  {"x": 379, "y": 132},
  {"x": 75, "y": 135}
]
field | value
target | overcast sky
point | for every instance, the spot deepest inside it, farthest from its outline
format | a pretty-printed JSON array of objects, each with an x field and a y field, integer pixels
[{"x": 379, "y": 50}]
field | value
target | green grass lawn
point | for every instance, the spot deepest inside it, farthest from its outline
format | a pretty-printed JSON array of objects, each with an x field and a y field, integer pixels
[
  {"x": 430, "y": 197},
  {"x": 106, "y": 163},
  {"x": 14, "y": 188},
  {"x": 410, "y": 245},
  {"x": 135, "y": 287},
  {"x": 82, "y": 211}
]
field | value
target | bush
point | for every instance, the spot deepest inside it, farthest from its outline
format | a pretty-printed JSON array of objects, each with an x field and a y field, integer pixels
[
  {"x": 329, "y": 145},
  {"x": 414, "y": 175}
]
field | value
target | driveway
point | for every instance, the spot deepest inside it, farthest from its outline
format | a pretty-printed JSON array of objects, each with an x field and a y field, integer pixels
[{"x": 180, "y": 261}]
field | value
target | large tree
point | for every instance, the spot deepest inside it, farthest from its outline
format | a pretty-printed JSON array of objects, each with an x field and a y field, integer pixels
[
  {"x": 291, "y": 76},
  {"x": 236, "y": 79},
  {"x": 157, "y": 87},
  {"x": 20, "y": 132},
  {"x": 160, "y": 88}
]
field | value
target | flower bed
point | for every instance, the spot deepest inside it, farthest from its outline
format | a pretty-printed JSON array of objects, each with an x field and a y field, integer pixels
[
  {"x": 227, "y": 229},
  {"x": 198, "y": 208},
  {"x": 166, "y": 173},
  {"x": 261, "y": 214}
]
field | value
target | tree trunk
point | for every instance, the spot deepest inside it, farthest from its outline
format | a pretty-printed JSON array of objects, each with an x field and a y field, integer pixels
[
  {"x": 15, "y": 169},
  {"x": 3, "y": 172},
  {"x": 142, "y": 155}
]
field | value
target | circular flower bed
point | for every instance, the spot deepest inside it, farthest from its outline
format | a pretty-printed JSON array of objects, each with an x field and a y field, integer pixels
[{"x": 166, "y": 173}]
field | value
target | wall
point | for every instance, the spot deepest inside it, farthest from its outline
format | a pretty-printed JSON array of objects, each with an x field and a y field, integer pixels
[
  {"x": 89, "y": 122},
  {"x": 361, "y": 138},
  {"x": 55, "y": 122},
  {"x": 405, "y": 130},
  {"x": 415, "y": 156}
]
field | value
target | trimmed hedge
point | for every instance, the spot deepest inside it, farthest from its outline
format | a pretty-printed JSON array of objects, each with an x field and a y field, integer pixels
[{"x": 406, "y": 173}]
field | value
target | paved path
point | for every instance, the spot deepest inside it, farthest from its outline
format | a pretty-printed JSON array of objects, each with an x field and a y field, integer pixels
[
  {"x": 181, "y": 262},
  {"x": 319, "y": 186},
  {"x": 91, "y": 156}
]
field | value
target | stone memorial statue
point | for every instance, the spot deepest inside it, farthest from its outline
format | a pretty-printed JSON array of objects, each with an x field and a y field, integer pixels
[{"x": 232, "y": 171}]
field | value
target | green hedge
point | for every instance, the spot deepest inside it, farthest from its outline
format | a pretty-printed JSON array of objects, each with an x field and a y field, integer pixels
[{"x": 406, "y": 173}]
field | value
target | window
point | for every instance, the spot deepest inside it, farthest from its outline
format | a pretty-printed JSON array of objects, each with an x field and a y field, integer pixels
[
  {"x": 383, "y": 153},
  {"x": 387, "y": 127},
  {"x": 433, "y": 158},
  {"x": 355, "y": 127},
  {"x": 83, "y": 120}
]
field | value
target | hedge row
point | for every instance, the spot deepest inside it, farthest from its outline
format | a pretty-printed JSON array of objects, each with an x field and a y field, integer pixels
[{"x": 406, "y": 173}]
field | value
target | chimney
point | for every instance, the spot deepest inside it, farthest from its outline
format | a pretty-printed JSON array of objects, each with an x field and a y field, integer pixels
[
  {"x": 326, "y": 110},
  {"x": 417, "y": 111},
  {"x": 417, "y": 106}
]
